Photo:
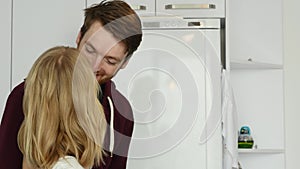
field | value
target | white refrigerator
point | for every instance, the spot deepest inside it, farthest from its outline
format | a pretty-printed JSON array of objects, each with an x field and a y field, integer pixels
[{"x": 173, "y": 85}]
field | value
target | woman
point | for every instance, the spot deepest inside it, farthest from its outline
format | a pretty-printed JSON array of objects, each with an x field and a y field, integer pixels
[{"x": 64, "y": 123}]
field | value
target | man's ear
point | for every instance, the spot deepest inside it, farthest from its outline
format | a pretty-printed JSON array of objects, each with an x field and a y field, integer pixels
[{"x": 78, "y": 39}]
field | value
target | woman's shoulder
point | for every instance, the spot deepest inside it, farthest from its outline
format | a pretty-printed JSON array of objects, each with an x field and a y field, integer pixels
[{"x": 67, "y": 162}]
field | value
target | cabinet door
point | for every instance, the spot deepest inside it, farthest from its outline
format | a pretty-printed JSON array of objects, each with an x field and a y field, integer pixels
[
  {"x": 40, "y": 25},
  {"x": 143, "y": 8},
  {"x": 191, "y": 8},
  {"x": 5, "y": 45},
  {"x": 255, "y": 30}
]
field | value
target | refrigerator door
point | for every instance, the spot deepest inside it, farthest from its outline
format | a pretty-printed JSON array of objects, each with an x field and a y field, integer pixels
[{"x": 168, "y": 82}]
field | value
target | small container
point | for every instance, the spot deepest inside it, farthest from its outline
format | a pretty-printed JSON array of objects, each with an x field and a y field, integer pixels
[{"x": 245, "y": 139}]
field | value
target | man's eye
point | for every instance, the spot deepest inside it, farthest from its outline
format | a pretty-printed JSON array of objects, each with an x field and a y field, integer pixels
[
  {"x": 89, "y": 49},
  {"x": 111, "y": 61}
]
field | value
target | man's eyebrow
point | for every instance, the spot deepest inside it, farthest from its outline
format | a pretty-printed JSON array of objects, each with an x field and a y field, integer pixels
[
  {"x": 112, "y": 57},
  {"x": 90, "y": 45}
]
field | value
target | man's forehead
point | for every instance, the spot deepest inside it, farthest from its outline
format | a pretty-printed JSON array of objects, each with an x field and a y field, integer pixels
[
  {"x": 104, "y": 42},
  {"x": 108, "y": 48}
]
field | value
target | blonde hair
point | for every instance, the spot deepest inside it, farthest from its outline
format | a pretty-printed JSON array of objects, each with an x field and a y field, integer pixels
[{"x": 62, "y": 113}]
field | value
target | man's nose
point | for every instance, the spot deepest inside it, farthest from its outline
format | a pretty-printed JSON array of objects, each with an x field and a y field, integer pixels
[
  {"x": 101, "y": 71},
  {"x": 97, "y": 64}
]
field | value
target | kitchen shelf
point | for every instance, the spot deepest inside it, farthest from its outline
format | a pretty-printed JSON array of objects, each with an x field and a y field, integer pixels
[
  {"x": 249, "y": 64},
  {"x": 260, "y": 151}
]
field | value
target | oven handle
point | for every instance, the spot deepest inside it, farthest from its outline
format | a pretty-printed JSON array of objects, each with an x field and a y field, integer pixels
[{"x": 190, "y": 6}]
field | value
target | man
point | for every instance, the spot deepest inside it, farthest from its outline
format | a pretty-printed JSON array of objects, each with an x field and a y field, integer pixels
[{"x": 110, "y": 34}]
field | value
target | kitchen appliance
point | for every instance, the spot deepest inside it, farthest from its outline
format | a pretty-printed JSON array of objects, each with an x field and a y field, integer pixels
[{"x": 173, "y": 85}]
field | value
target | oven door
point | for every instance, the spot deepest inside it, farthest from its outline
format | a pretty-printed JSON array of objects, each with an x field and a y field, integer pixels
[{"x": 172, "y": 83}]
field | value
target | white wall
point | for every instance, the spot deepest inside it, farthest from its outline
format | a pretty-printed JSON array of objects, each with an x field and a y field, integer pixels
[
  {"x": 23, "y": 40},
  {"x": 5, "y": 48},
  {"x": 292, "y": 81}
]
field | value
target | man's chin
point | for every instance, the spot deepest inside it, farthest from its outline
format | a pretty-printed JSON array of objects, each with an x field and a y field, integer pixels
[{"x": 102, "y": 80}]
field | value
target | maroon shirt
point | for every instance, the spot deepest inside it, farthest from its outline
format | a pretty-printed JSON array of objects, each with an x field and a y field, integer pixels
[{"x": 11, "y": 157}]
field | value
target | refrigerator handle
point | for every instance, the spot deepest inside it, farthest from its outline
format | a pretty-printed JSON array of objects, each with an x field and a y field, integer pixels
[{"x": 190, "y": 6}]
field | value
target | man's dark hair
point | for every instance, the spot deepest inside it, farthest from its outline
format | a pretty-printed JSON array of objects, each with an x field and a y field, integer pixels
[{"x": 118, "y": 18}]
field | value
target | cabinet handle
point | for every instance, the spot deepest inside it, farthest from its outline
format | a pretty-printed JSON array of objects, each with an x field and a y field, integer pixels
[
  {"x": 139, "y": 7},
  {"x": 194, "y": 24},
  {"x": 190, "y": 6}
]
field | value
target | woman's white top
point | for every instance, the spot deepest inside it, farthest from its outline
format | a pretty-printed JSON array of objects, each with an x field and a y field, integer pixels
[{"x": 68, "y": 162}]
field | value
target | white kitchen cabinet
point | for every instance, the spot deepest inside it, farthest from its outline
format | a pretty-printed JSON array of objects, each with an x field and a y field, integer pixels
[
  {"x": 191, "y": 8},
  {"x": 5, "y": 46},
  {"x": 181, "y": 8},
  {"x": 143, "y": 8},
  {"x": 91, "y": 2},
  {"x": 255, "y": 30},
  {"x": 255, "y": 53},
  {"x": 40, "y": 25}
]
